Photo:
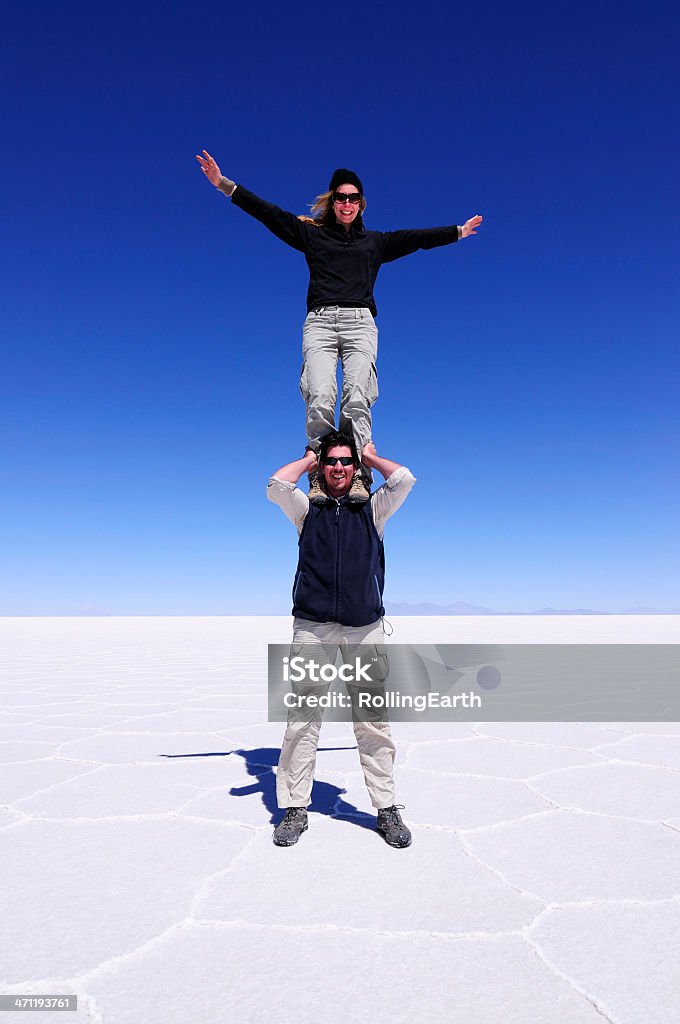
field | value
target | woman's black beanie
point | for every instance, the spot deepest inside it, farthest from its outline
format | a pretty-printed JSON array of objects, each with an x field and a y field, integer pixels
[{"x": 344, "y": 177}]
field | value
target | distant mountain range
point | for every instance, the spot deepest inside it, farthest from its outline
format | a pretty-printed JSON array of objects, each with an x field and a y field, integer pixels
[{"x": 462, "y": 608}]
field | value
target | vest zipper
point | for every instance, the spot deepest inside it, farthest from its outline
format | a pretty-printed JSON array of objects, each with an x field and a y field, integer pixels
[{"x": 337, "y": 560}]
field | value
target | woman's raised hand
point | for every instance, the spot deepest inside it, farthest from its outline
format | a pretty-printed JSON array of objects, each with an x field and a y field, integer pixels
[
  {"x": 470, "y": 225},
  {"x": 210, "y": 168}
]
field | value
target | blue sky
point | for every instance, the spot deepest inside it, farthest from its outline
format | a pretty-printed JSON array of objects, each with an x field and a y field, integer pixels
[{"x": 151, "y": 331}]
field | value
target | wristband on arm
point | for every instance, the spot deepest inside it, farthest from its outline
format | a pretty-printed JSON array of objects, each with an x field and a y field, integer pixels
[{"x": 227, "y": 186}]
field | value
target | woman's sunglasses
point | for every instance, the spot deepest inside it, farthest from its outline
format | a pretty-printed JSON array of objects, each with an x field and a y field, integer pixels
[{"x": 347, "y": 197}]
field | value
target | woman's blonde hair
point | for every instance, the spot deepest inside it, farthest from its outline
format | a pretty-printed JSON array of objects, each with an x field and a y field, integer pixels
[{"x": 323, "y": 215}]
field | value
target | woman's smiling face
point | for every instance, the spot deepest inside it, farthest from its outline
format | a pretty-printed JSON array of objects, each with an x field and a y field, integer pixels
[{"x": 346, "y": 213}]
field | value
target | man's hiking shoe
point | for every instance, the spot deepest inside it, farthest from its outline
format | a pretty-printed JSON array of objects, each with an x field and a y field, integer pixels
[
  {"x": 359, "y": 491},
  {"x": 392, "y": 827},
  {"x": 316, "y": 495},
  {"x": 291, "y": 828}
]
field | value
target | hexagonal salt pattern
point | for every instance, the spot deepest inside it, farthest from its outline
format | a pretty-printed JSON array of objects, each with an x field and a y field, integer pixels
[
  {"x": 137, "y": 789},
  {"x": 248, "y": 974},
  {"x": 629, "y": 965}
]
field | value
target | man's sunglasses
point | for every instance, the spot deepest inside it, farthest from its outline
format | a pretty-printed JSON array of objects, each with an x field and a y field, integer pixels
[
  {"x": 344, "y": 460},
  {"x": 347, "y": 197}
]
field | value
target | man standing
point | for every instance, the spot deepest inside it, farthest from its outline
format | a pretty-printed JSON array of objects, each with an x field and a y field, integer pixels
[{"x": 337, "y": 600}]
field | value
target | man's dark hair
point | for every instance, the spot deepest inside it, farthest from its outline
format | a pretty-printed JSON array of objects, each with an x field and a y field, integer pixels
[{"x": 336, "y": 439}]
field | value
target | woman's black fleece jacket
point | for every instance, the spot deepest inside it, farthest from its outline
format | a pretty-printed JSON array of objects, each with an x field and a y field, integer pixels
[{"x": 343, "y": 265}]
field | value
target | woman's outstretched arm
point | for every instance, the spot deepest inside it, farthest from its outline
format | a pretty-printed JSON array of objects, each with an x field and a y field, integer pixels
[
  {"x": 284, "y": 225},
  {"x": 396, "y": 244},
  {"x": 214, "y": 174}
]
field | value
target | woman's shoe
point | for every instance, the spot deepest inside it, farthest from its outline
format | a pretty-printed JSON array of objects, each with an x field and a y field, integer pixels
[
  {"x": 360, "y": 489},
  {"x": 316, "y": 495}
]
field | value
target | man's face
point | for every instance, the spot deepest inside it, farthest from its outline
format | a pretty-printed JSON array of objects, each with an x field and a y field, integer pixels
[{"x": 338, "y": 478}]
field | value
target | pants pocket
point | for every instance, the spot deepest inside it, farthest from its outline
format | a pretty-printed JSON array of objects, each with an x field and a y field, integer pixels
[
  {"x": 372, "y": 389},
  {"x": 373, "y": 661},
  {"x": 381, "y": 668},
  {"x": 304, "y": 386}
]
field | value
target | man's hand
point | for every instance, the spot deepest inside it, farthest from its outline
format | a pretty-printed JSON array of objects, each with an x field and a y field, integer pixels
[
  {"x": 470, "y": 225},
  {"x": 292, "y": 471},
  {"x": 372, "y": 460},
  {"x": 210, "y": 168},
  {"x": 368, "y": 454}
]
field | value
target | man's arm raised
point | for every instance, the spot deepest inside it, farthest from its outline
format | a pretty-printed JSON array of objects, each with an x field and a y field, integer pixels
[
  {"x": 282, "y": 491},
  {"x": 398, "y": 482},
  {"x": 372, "y": 460},
  {"x": 292, "y": 471}
]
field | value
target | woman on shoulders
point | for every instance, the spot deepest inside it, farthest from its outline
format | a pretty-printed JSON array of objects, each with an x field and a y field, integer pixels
[{"x": 343, "y": 259}]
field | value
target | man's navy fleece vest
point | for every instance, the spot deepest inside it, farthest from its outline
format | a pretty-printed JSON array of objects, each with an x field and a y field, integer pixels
[{"x": 341, "y": 568}]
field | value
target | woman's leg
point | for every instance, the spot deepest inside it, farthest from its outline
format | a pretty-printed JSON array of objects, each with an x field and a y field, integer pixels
[
  {"x": 318, "y": 383},
  {"x": 358, "y": 351}
]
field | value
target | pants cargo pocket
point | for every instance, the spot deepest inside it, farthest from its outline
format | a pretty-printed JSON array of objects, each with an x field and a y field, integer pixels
[
  {"x": 373, "y": 661},
  {"x": 381, "y": 665},
  {"x": 372, "y": 389},
  {"x": 304, "y": 386}
]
